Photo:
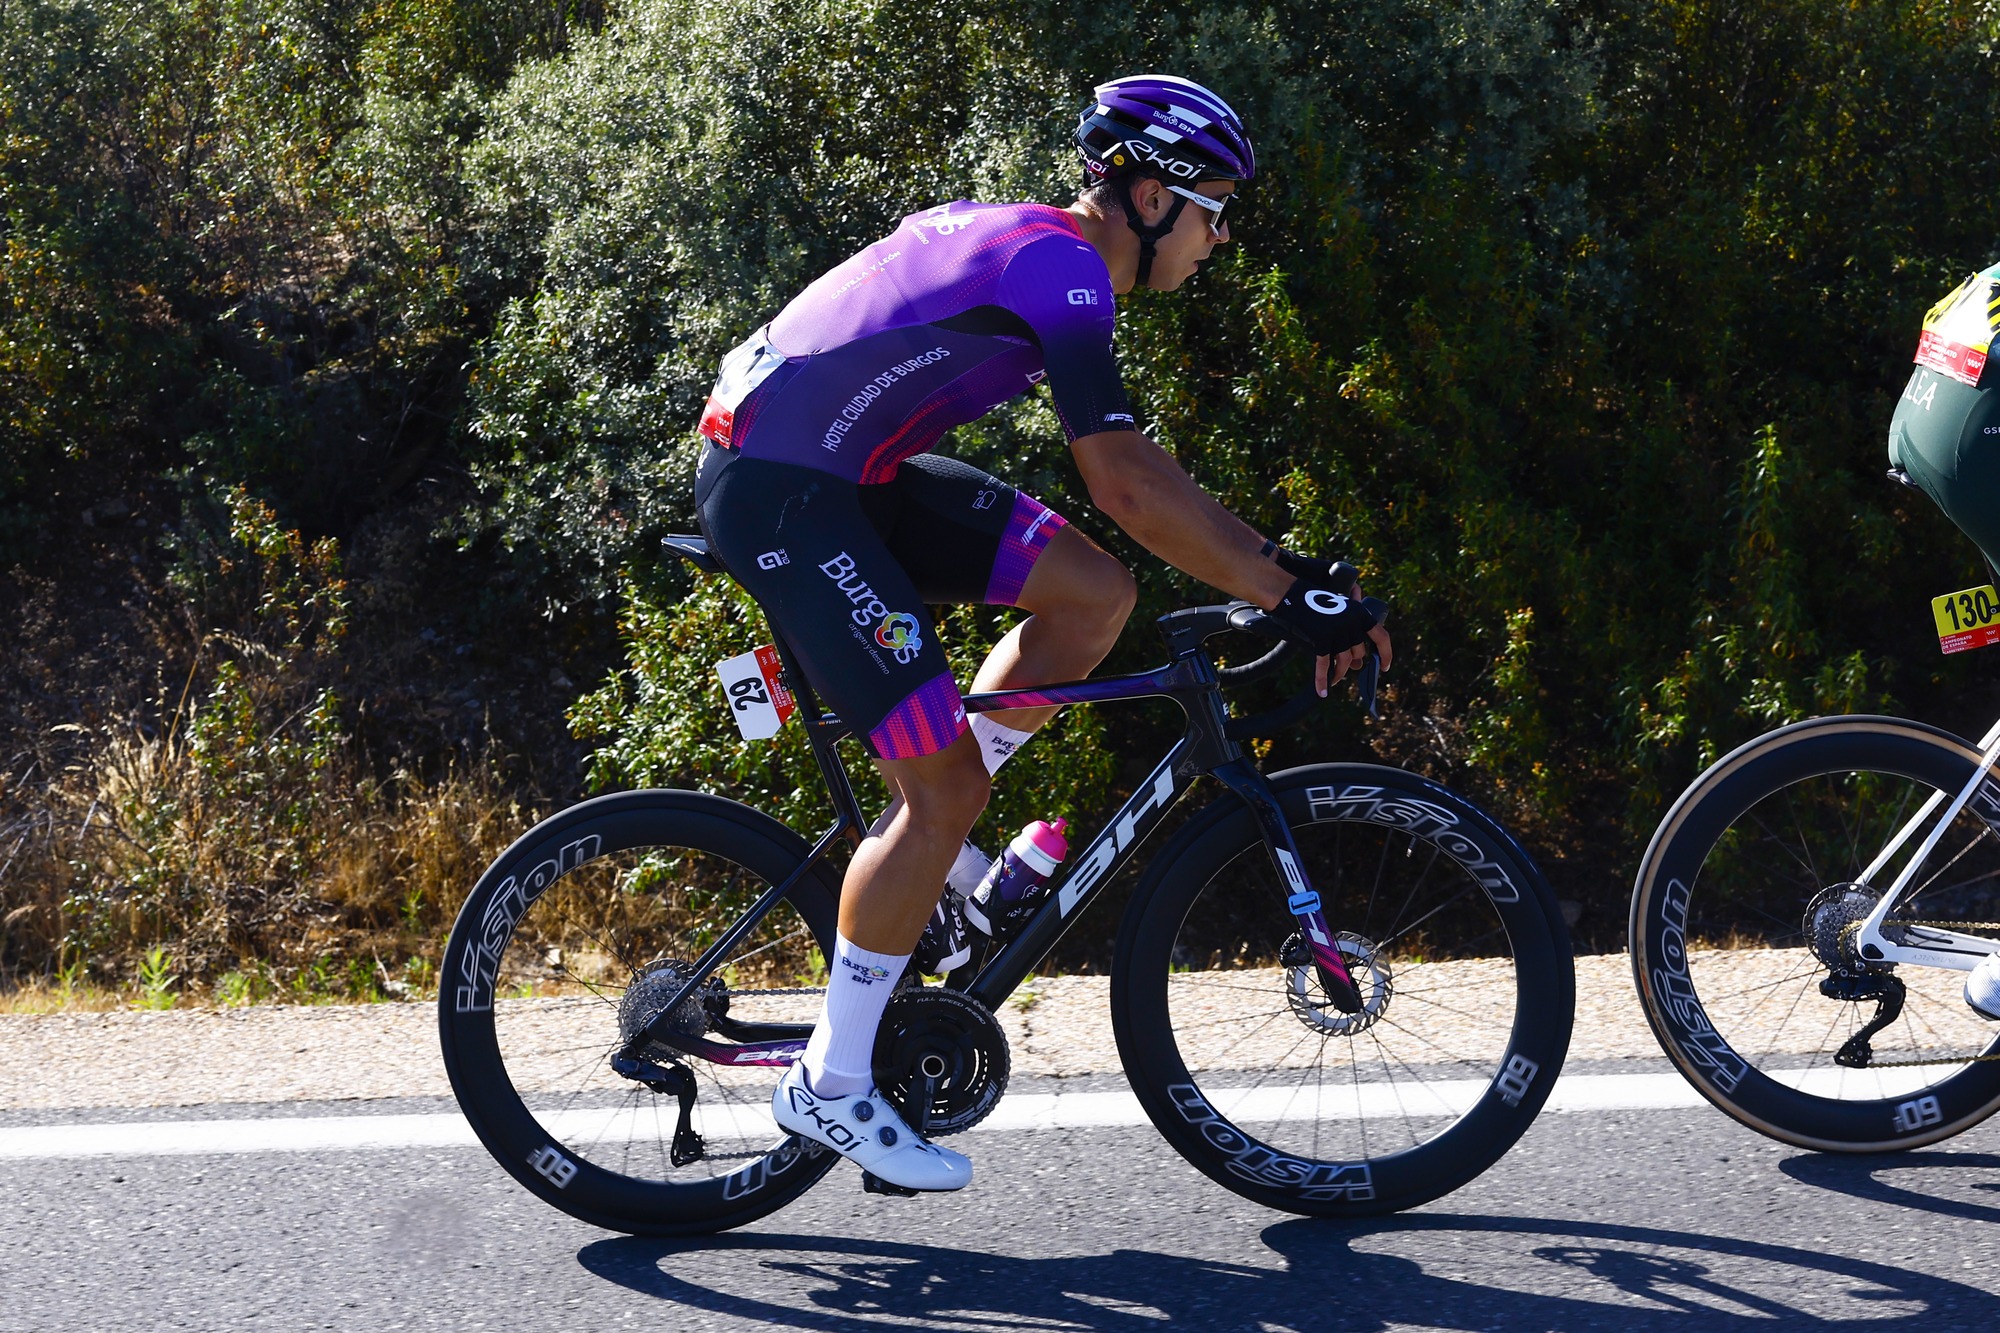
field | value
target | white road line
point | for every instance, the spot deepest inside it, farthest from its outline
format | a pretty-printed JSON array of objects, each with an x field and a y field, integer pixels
[{"x": 1026, "y": 1110}]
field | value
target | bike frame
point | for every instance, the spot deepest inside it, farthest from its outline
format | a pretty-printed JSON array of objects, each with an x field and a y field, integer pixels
[
  {"x": 1927, "y": 946},
  {"x": 1191, "y": 681}
]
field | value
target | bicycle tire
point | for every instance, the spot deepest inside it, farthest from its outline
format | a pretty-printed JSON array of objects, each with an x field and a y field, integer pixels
[
  {"x": 1478, "y": 1077},
  {"x": 566, "y": 918},
  {"x": 1749, "y": 847}
]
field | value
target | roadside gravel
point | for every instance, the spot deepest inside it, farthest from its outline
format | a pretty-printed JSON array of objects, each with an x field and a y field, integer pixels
[{"x": 1056, "y": 1026}]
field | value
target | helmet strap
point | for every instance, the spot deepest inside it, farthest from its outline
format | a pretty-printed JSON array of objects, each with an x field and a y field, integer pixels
[{"x": 1148, "y": 236}]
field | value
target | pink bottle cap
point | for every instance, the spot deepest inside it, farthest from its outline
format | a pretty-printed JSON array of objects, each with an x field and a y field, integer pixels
[{"x": 1048, "y": 838}]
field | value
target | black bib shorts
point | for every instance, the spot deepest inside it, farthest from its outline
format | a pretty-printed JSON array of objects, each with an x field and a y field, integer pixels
[
  {"x": 844, "y": 571},
  {"x": 1946, "y": 436}
]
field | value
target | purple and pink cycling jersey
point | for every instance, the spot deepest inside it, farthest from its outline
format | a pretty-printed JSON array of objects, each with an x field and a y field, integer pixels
[{"x": 960, "y": 309}]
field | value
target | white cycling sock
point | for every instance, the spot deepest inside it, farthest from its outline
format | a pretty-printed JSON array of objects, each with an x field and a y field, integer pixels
[
  {"x": 997, "y": 744},
  {"x": 840, "y": 1057},
  {"x": 968, "y": 869}
]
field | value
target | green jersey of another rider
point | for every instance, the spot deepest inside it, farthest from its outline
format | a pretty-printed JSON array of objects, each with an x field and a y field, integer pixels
[{"x": 1945, "y": 439}]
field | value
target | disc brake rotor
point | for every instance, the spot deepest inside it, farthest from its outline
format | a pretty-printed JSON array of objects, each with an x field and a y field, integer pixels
[{"x": 1307, "y": 994}]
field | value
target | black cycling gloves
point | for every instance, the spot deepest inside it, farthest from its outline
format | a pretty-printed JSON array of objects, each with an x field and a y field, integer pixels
[{"x": 1321, "y": 609}]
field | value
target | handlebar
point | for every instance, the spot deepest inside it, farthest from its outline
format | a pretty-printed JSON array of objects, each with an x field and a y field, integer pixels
[{"x": 1250, "y": 620}]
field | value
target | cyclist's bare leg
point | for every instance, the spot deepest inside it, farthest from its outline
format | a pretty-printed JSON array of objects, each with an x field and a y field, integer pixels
[
  {"x": 1077, "y": 597},
  {"x": 891, "y": 886},
  {"x": 894, "y": 879}
]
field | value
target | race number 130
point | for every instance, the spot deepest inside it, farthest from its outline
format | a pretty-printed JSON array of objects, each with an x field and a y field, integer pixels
[{"x": 1969, "y": 619}]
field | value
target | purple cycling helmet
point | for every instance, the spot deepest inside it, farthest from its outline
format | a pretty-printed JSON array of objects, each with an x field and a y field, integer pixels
[
  {"x": 1171, "y": 127},
  {"x": 1158, "y": 125}
]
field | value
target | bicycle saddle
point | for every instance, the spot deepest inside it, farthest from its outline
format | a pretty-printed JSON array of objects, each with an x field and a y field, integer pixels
[{"x": 692, "y": 549}]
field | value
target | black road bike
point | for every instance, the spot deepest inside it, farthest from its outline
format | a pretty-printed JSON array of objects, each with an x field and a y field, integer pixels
[{"x": 1338, "y": 990}]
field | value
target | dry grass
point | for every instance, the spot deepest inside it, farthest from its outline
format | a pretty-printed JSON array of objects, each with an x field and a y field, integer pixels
[
  {"x": 148, "y": 874},
  {"x": 229, "y": 842}
]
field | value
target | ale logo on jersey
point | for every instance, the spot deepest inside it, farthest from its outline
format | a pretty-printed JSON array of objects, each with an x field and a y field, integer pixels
[{"x": 898, "y": 633}]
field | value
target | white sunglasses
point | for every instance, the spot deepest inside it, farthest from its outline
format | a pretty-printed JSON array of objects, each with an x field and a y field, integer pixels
[{"x": 1214, "y": 207}]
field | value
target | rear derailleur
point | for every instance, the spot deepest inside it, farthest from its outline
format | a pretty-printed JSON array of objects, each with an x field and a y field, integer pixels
[
  {"x": 676, "y": 1079},
  {"x": 1832, "y": 928}
]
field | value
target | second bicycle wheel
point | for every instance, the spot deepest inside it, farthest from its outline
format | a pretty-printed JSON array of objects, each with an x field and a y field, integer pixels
[
  {"x": 577, "y": 936},
  {"x": 1743, "y": 926},
  {"x": 1246, "y": 1068}
]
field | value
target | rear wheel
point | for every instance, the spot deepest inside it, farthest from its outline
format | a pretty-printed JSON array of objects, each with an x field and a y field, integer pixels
[
  {"x": 1252, "y": 1075},
  {"x": 1744, "y": 914},
  {"x": 573, "y": 938}
]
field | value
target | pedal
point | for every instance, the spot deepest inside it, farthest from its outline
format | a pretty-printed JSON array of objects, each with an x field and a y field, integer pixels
[{"x": 874, "y": 1184}]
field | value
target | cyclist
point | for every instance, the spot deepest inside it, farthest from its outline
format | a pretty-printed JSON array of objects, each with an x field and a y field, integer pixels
[
  {"x": 1945, "y": 440},
  {"x": 818, "y": 493}
]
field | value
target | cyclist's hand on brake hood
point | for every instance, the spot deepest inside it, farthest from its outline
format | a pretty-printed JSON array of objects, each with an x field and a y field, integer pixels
[{"x": 1324, "y": 610}]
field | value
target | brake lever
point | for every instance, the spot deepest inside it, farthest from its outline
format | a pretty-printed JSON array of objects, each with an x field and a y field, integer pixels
[{"x": 1370, "y": 674}]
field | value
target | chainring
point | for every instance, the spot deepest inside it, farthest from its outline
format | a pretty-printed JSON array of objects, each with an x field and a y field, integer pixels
[{"x": 963, "y": 1041}]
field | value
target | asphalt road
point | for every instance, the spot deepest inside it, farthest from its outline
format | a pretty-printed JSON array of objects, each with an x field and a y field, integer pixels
[{"x": 1628, "y": 1220}]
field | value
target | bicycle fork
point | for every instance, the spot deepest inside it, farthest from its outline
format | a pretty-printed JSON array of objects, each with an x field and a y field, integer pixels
[{"x": 1302, "y": 901}]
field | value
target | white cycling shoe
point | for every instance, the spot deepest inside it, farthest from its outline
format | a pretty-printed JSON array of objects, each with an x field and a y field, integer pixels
[
  {"x": 866, "y": 1130},
  {"x": 1982, "y": 987}
]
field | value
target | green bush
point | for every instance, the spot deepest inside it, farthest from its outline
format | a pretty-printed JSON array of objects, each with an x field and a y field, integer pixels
[{"x": 1576, "y": 323}]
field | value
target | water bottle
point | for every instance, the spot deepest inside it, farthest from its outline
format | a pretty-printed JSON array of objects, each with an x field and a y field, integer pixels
[{"x": 1016, "y": 880}]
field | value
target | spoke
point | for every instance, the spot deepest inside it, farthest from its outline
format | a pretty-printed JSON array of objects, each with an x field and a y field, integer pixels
[
  {"x": 1804, "y": 844},
  {"x": 1468, "y": 889},
  {"x": 1453, "y": 1057},
  {"x": 1965, "y": 852},
  {"x": 1804, "y": 969},
  {"x": 1771, "y": 837},
  {"x": 1221, "y": 985},
  {"x": 785, "y": 938},
  {"x": 1238, "y": 1018}
]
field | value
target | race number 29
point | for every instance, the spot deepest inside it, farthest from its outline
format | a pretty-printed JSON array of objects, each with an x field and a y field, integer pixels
[{"x": 754, "y": 685}]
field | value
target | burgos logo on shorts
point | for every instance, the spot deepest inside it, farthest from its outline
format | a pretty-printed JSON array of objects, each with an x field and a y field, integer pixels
[
  {"x": 898, "y": 633},
  {"x": 895, "y": 630}
]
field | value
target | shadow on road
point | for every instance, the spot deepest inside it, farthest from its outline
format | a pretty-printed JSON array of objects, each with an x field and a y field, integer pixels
[
  {"x": 1442, "y": 1271},
  {"x": 1861, "y": 1175}
]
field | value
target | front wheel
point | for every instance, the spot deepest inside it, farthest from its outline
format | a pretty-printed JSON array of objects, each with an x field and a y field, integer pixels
[
  {"x": 1251, "y": 1074},
  {"x": 576, "y": 936},
  {"x": 1743, "y": 926}
]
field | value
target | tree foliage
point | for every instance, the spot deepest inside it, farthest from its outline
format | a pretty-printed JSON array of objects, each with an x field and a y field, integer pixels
[{"x": 1576, "y": 323}]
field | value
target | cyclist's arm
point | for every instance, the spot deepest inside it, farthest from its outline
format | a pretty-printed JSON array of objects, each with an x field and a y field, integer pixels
[
  {"x": 1140, "y": 487},
  {"x": 1145, "y": 491}
]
